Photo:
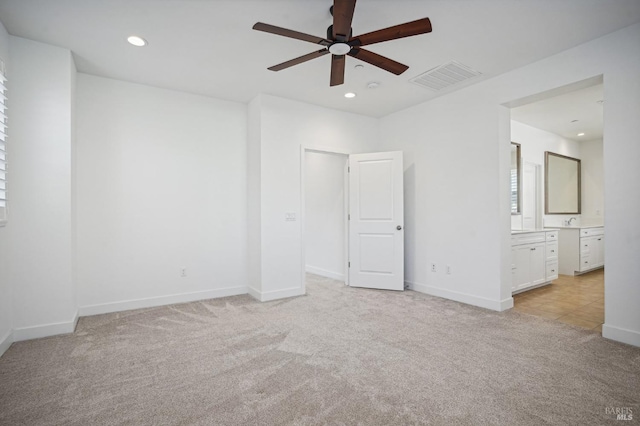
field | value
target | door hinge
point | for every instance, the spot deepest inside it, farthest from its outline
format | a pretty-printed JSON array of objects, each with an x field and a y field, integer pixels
[
  {"x": 349, "y": 264},
  {"x": 348, "y": 217},
  {"x": 348, "y": 169}
]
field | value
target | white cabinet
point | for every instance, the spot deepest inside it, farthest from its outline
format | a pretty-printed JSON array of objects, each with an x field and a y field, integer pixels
[
  {"x": 581, "y": 250},
  {"x": 591, "y": 252},
  {"x": 534, "y": 259}
]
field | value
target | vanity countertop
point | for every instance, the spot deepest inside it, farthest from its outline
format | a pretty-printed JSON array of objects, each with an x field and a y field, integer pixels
[
  {"x": 527, "y": 231},
  {"x": 575, "y": 227}
]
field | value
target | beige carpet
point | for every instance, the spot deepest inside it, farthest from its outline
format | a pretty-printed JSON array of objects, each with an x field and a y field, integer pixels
[{"x": 337, "y": 356}]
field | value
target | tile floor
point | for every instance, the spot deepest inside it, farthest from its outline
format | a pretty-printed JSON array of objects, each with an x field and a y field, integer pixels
[{"x": 576, "y": 300}]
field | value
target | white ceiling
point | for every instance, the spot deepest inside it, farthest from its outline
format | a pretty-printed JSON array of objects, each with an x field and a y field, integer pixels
[
  {"x": 557, "y": 114},
  {"x": 208, "y": 47}
]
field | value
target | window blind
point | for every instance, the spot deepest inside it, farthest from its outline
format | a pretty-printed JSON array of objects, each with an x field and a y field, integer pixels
[{"x": 3, "y": 144}]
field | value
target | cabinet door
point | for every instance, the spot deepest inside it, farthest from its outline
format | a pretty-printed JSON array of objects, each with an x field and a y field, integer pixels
[
  {"x": 521, "y": 270},
  {"x": 538, "y": 263},
  {"x": 600, "y": 244}
]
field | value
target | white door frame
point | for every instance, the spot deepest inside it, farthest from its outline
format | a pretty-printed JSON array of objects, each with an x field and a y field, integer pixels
[{"x": 303, "y": 255}]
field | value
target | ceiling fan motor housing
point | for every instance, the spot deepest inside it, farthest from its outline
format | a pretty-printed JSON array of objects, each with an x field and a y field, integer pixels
[{"x": 330, "y": 34}]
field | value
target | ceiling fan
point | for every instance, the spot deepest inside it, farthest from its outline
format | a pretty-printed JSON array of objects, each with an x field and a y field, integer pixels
[{"x": 339, "y": 41}]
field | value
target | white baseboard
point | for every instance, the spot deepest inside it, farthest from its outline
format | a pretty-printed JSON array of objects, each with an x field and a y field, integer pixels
[
  {"x": 469, "y": 299},
  {"x": 506, "y": 304},
  {"x": 324, "y": 273},
  {"x": 6, "y": 341},
  {"x": 45, "y": 330},
  {"x": 629, "y": 337},
  {"x": 151, "y": 302},
  {"x": 268, "y": 296}
]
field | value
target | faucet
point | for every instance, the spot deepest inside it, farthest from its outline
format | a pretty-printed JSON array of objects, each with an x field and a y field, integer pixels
[{"x": 569, "y": 221}]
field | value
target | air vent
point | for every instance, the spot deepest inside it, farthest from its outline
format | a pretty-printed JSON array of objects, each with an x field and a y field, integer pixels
[{"x": 446, "y": 75}]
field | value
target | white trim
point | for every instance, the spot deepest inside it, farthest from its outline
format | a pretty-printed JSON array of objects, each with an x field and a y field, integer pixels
[
  {"x": 623, "y": 335},
  {"x": 469, "y": 299},
  {"x": 324, "y": 273},
  {"x": 6, "y": 342},
  {"x": 268, "y": 296},
  {"x": 45, "y": 330},
  {"x": 151, "y": 302},
  {"x": 254, "y": 293},
  {"x": 506, "y": 304}
]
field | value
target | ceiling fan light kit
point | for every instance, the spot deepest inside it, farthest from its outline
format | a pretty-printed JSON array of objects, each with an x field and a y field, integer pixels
[{"x": 340, "y": 42}]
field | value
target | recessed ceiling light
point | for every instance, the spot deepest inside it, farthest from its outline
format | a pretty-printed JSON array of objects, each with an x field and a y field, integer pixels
[
  {"x": 574, "y": 121},
  {"x": 359, "y": 67},
  {"x": 137, "y": 41},
  {"x": 350, "y": 95},
  {"x": 580, "y": 134},
  {"x": 372, "y": 85}
]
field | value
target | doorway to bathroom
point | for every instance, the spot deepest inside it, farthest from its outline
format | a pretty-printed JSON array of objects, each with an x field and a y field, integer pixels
[{"x": 568, "y": 123}]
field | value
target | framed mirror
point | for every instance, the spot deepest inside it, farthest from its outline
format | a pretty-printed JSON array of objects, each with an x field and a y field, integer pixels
[
  {"x": 561, "y": 184},
  {"x": 516, "y": 179}
]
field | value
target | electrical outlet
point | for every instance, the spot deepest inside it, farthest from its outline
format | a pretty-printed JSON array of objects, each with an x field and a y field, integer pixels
[
  {"x": 433, "y": 267},
  {"x": 448, "y": 269},
  {"x": 183, "y": 272}
]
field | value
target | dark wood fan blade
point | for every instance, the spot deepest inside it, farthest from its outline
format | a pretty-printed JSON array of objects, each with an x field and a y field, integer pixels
[
  {"x": 421, "y": 26},
  {"x": 260, "y": 26},
  {"x": 337, "y": 70},
  {"x": 301, "y": 59},
  {"x": 379, "y": 61},
  {"x": 342, "y": 17}
]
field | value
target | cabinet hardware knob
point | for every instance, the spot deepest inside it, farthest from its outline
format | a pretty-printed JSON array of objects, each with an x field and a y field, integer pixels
[{"x": 398, "y": 227}]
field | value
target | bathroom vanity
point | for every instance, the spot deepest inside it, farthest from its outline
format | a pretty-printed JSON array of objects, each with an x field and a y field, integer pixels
[
  {"x": 534, "y": 258},
  {"x": 581, "y": 249}
]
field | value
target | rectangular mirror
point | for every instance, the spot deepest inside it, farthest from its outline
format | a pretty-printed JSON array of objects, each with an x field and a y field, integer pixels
[
  {"x": 516, "y": 179},
  {"x": 561, "y": 184}
]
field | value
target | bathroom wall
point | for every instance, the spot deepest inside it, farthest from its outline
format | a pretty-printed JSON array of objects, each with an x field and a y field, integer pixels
[
  {"x": 534, "y": 142},
  {"x": 592, "y": 182}
]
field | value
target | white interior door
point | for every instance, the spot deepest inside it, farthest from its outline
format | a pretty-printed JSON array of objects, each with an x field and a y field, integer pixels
[{"x": 376, "y": 234}]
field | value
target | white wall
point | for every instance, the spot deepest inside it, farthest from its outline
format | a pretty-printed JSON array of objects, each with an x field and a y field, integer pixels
[
  {"x": 452, "y": 196},
  {"x": 285, "y": 126},
  {"x": 38, "y": 236},
  {"x": 457, "y": 175},
  {"x": 325, "y": 214},
  {"x": 534, "y": 142},
  {"x": 592, "y": 182},
  {"x": 161, "y": 185},
  {"x": 6, "y": 292}
]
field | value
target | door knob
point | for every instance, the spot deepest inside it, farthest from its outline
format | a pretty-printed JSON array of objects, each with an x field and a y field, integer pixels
[{"x": 398, "y": 227}]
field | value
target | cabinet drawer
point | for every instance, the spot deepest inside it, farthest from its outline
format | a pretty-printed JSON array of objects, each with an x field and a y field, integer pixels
[
  {"x": 552, "y": 271},
  {"x": 534, "y": 237},
  {"x": 552, "y": 235},
  {"x": 591, "y": 232},
  {"x": 585, "y": 262},
  {"x": 552, "y": 250}
]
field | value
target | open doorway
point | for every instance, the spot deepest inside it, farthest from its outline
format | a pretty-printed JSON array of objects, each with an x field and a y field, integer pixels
[
  {"x": 325, "y": 214},
  {"x": 565, "y": 123}
]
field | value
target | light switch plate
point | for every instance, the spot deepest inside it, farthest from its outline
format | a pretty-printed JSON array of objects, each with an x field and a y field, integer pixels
[{"x": 290, "y": 217}]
